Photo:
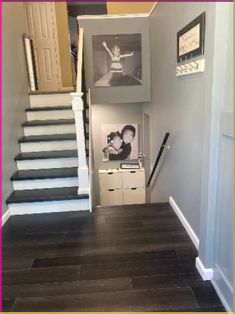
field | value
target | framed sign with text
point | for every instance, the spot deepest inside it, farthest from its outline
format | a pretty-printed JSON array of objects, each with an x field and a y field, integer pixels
[{"x": 191, "y": 39}]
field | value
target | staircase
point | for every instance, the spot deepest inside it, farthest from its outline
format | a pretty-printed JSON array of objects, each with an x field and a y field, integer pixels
[{"x": 48, "y": 164}]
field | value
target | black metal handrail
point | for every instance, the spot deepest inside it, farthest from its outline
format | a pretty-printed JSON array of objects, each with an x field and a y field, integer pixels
[{"x": 158, "y": 157}]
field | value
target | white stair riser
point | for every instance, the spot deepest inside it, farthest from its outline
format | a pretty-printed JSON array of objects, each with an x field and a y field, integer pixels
[
  {"x": 45, "y": 183},
  {"x": 38, "y": 101},
  {"x": 49, "y": 207},
  {"x": 47, "y": 163},
  {"x": 49, "y": 129},
  {"x": 50, "y": 115},
  {"x": 48, "y": 146}
]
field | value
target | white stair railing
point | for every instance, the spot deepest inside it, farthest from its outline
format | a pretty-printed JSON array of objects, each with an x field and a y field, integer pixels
[{"x": 78, "y": 107}]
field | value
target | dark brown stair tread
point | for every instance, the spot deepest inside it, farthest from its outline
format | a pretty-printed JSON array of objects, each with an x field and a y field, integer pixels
[
  {"x": 67, "y": 91},
  {"x": 42, "y": 195},
  {"x": 49, "y": 108},
  {"x": 48, "y": 122},
  {"x": 46, "y": 138},
  {"x": 45, "y": 174},
  {"x": 47, "y": 155}
]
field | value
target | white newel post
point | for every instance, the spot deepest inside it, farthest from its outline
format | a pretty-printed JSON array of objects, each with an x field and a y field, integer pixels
[{"x": 83, "y": 181}]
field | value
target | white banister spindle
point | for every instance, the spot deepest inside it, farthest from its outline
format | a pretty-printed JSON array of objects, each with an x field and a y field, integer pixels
[{"x": 83, "y": 181}]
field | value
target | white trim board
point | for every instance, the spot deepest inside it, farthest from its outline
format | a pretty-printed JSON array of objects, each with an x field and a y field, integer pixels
[
  {"x": 184, "y": 222},
  {"x": 223, "y": 277},
  {"x": 221, "y": 296},
  {"x": 206, "y": 273},
  {"x": 5, "y": 217},
  {"x": 153, "y": 8},
  {"x": 111, "y": 16}
]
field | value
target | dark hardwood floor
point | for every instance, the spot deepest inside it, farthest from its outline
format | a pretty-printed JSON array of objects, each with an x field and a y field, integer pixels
[{"x": 129, "y": 258}]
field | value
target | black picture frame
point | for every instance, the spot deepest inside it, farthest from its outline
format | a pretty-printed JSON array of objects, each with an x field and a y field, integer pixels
[{"x": 201, "y": 22}]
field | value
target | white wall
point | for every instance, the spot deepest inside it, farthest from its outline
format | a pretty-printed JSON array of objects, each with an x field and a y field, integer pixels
[
  {"x": 111, "y": 114},
  {"x": 15, "y": 89}
]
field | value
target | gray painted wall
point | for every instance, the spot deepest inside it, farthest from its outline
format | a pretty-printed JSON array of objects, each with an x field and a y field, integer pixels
[
  {"x": 108, "y": 114},
  {"x": 197, "y": 168},
  {"x": 178, "y": 105},
  {"x": 73, "y": 28},
  {"x": 114, "y": 104},
  {"x": 15, "y": 89},
  {"x": 110, "y": 26},
  {"x": 217, "y": 208}
]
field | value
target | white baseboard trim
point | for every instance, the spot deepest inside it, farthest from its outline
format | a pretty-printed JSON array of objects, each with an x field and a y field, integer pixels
[
  {"x": 5, "y": 217},
  {"x": 221, "y": 296},
  {"x": 223, "y": 277},
  {"x": 184, "y": 222},
  {"x": 206, "y": 273}
]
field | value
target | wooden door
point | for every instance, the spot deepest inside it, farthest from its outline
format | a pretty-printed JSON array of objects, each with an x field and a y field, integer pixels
[{"x": 41, "y": 27}]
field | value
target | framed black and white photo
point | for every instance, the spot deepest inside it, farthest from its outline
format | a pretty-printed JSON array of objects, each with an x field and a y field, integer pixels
[
  {"x": 119, "y": 141},
  {"x": 117, "y": 60},
  {"x": 30, "y": 60},
  {"x": 191, "y": 39}
]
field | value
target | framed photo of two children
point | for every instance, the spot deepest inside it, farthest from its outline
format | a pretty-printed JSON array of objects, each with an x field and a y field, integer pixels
[{"x": 119, "y": 141}]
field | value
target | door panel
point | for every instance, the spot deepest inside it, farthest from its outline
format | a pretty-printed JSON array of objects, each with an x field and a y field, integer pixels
[
  {"x": 40, "y": 20},
  {"x": 30, "y": 20},
  {"x": 47, "y": 64}
]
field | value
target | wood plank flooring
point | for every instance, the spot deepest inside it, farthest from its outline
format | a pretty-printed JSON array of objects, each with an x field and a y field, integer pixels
[{"x": 129, "y": 258}]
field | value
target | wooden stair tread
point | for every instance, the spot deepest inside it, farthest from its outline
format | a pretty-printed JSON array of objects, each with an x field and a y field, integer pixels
[
  {"x": 48, "y": 122},
  {"x": 45, "y": 174},
  {"x": 47, "y": 155},
  {"x": 67, "y": 91},
  {"x": 43, "y": 195},
  {"x": 48, "y": 108},
  {"x": 46, "y": 138}
]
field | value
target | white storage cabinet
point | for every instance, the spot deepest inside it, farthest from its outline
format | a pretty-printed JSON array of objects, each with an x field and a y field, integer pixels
[{"x": 122, "y": 186}]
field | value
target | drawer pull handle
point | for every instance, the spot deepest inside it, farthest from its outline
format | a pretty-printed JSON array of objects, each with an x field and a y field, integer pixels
[
  {"x": 132, "y": 171},
  {"x": 133, "y": 188},
  {"x": 111, "y": 190},
  {"x": 110, "y": 172}
]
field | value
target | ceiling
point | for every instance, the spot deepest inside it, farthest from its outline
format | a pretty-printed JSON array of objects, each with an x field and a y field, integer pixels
[{"x": 79, "y": 8}]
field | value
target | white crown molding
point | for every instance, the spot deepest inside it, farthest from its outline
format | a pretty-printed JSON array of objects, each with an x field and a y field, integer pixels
[{"x": 111, "y": 16}]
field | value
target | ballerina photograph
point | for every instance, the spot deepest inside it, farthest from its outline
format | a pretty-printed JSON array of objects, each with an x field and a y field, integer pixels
[{"x": 117, "y": 60}]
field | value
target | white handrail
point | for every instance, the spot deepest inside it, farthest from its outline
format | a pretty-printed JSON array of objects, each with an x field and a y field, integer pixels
[
  {"x": 78, "y": 107},
  {"x": 80, "y": 60}
]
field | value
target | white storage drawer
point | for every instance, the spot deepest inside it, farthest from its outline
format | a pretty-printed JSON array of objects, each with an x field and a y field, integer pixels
[
  {"x": 110, "y": 180},
  {"x": 111, "y": 197},
  {"x": 122, "y": 186},
  {"x": 133, "y": 179},
  {"x": 134, "y": 196}
]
